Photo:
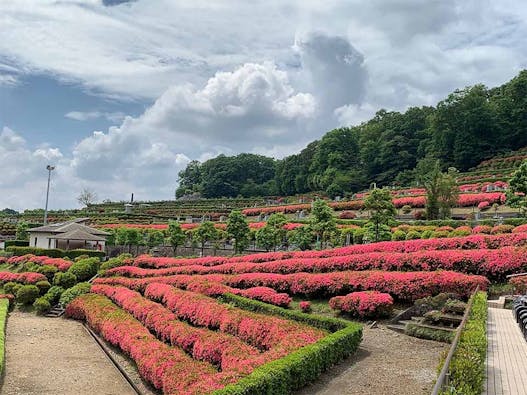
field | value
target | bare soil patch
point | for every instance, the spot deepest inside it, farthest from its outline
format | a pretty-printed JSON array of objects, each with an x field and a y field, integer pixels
[
  {"x": 386, "y": 363},
  {"x": 56, "y": 356}
]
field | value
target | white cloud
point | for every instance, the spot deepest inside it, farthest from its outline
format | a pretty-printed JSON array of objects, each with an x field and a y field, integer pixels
[{"x": 90, "y": 115}]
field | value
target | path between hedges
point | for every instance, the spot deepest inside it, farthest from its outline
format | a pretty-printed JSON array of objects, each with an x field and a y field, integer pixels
[
  {"x": 56, "y": 356},
  {"x": 387, "y": 363}
]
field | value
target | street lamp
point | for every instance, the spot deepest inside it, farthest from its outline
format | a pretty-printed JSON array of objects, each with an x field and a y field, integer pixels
[{"x": 50, "y": 169}]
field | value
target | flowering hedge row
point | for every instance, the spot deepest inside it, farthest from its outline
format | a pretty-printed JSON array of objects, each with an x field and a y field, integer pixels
[
  {"x": 258, "y": 330},
  {"x": 167, "y": 368},
  {"x": 464, "y": 200},
  {"x": 401, "y": 285},
  {"x": 520, "y": 284},
  {"x": 217, "y": 348},
  {"x": 479, "y": 241},
  {"x": 363, "y": 304},
  {"x": 61, "y": 264},
  {"x": 25, "y": 278}
]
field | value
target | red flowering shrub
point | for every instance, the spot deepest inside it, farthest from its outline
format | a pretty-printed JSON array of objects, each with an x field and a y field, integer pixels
[
  {"x": 259, "y": 330},
  {"x": 486, "y": 229},
  {"x": 267, "y": 295},
  {"x": 24, "y": 278},
  {"x": 347, "y": 215},
  {"x": 520, "y": 284},
  {"x": 169, "y": 369},
  {"x": 520, "y": 229},
  {"x": 305, "y": 306},
  {"x": 482, "y": 206},
  {"x": 501, "y": 229},
  {"x": 61, "y": 264},
  {"x": 363, "y": 304}
]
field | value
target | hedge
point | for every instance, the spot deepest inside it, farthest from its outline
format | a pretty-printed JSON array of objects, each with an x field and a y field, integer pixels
[
  {"x": 54, "y": 252},
  {"x": 4, "y": 308},
  {"x": 467, "y": 367},
  {"x": 302, "y": 366},
  {"x": 326, "y": 323},
  {"x": 16, "y": 243}
]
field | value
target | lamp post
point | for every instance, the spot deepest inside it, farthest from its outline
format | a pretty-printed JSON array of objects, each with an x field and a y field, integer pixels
[{"x": 50, "y": 169}]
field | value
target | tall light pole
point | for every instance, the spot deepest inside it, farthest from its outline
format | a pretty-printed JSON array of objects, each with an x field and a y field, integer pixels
[{"x": 50, "y": 169}]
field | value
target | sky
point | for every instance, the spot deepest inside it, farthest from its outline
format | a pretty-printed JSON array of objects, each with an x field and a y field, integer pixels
[{"x": 120, "y": 95}]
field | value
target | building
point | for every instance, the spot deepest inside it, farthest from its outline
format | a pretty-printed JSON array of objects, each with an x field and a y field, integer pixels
[{"x": 68, "y": 235}]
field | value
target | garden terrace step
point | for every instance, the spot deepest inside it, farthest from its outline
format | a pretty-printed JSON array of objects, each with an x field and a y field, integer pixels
[
  {"x": 443, "y": 318},
  {"x": 435, "y": 327},
  {"x": 55, "y": 312},
  {"x": 396, "y": 327},
  {"x": 497, "y": 304}
]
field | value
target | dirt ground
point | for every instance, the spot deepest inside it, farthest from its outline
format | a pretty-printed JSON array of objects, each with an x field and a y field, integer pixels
[
  {"x": 387, "y": 363},
  {"x": 56, "y": 356}
]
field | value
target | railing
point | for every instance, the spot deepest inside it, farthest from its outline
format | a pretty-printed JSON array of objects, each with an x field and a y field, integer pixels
[{"x": 444, "y": 375}]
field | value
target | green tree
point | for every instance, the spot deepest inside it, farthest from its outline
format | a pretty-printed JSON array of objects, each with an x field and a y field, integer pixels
[
  {"x": 322, "y": 221},
  {"x": 448, "y": 193},
  {"x": 205, "y": 233},
  {"x": 302, "y": 237},
  {"x": 22, "y": 231},
  {"x": 517, "y": 192},
  {"x": 266, "y": 238},
  {"x": 155, "y": 238},
  {"x": 128, "y": 237},
  {"x": 238, "y": 229},
  {"x": 382, "y": 211},
  {"x": 176, "y": 235}
]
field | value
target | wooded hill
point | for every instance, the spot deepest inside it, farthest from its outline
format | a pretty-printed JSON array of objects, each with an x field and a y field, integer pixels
[{"x": 469, "y": 126}]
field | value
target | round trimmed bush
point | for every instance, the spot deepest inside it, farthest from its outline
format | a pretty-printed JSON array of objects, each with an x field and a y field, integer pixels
[
  {"x": 12, "y": 287},
  {"x": 43, "y": 286},
  {"x": 48, "y": 271},
  {"x": 398, "y": 235},
  {"x": 413, "y": 235},
  {"x": 406, "y": 209},
  {"x": 65, "y": 280},
  {"x": 53, "y": 294},
  {"x": 42, "y": 305},
  {"x": 71, "y": 293},
  {"x": 84, "y": 269},
  {"x": 27, "y": 294}
]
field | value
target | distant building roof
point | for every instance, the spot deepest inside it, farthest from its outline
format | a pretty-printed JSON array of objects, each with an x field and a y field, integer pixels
[
  {"x": 68, "y": 226},
  {"x": 78, "y": 234}
]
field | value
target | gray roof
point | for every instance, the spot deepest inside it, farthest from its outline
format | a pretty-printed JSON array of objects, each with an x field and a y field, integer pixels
[
  {"x": 68, "y": 226},
  {"x": 78, "y": 234}
]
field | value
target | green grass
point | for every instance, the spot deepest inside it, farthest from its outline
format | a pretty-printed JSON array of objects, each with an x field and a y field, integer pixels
[{"x": 4, "y": 307}]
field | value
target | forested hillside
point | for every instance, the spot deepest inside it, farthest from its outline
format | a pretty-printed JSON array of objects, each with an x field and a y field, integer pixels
[{"x": 469, "y": 126}]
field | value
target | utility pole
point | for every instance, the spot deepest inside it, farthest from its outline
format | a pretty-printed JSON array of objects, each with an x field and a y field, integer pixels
[{"x": 50, "y": 169}]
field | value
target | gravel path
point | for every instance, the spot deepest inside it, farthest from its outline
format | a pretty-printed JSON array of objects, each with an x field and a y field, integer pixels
[
  {"x": 56, "y": 356},
  {"x": 386, "y": 363}
]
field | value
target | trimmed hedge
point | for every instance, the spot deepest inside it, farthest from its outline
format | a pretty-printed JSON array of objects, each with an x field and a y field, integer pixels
[
  {"x": 302, "y": 366},
  {"x": 467, "y": 367},
  {"x": 4, "y": 308},
  {"x": 16, "y": 243},
  {"x": 440, "y": 335},
  {"x": 326, "y": 323},
  {"x": 299, "y": 368},
  {"x": 54, "y": 252}
]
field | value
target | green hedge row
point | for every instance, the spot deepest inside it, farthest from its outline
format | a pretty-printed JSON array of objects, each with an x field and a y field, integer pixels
[
  {"x": 326, "y": 323},
  {"x": 16, "y": 243},
  {"x": 302, "y": 366},
  {"x": 4, "y": 308},
  {"x": 467, "y": 367},
  {"x": 54, "y": 252},
  {"x": 299, "y": 368}
]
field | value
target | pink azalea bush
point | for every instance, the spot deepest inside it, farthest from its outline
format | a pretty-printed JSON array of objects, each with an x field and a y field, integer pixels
[{"x": 363, "y": 304}]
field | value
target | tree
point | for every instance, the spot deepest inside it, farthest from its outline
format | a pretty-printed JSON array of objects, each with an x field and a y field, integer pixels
[
  {"x": 22, "y": 230},
  {"x": 322, "y": 221},
  {"x": 448, "y": 192},
  {"x": 517, "y": 192},
  {"x": 205, "y": 233},
  {"x": 155, "y": 238},
  {"x": 382, "y": 211},
  {"x": 176, "y": 235},
  {"x": 238, "y": 229},
  {"x": 128, "y": 237},
  {"x": 266, "y": 238},
  {"x": 87, "y": 197},
  {"x": 302, "y": 237}
]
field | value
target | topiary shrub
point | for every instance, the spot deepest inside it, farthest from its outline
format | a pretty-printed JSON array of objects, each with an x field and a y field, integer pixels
[
  {"x": 71, "y": 293},
  {"x": 53, "y": 294},
  {"x": 12, "y": 288},
  {"x": 426, "y": 234},
  {"x": 27, "y": 294},
  {"x": 406, "y": 209},
  {"x": 30, "y": 266},
  {"x": 48, "y": 271},
  {"x": 85, "y": 268},
  {"x": 65, "y": 280},
  {"x": 398, "y": 235},
  {"x": 413, "y": 235},
  {"x": 111, "y": 263},
  {"x": 42, "y": 305},
  {"x": 43, "y": 286}
]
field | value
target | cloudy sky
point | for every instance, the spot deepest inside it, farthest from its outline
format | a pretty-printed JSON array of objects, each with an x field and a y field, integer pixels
[{"x": 120, "y": 95}]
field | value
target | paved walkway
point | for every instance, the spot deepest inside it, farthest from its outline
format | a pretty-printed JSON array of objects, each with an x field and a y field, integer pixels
[
  {"x": 56, "y": 356},
  {"x": 506, "y": 355}
]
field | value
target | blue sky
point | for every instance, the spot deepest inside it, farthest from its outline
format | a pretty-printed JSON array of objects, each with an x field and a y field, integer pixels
[{"x": 121, "y": 95}]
